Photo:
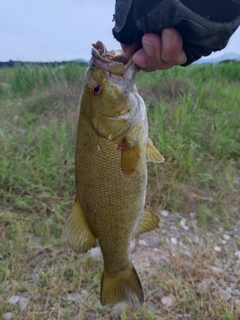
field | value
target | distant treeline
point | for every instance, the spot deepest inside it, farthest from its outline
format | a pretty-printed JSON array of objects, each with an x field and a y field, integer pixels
[{"x": 11, "y": 64}]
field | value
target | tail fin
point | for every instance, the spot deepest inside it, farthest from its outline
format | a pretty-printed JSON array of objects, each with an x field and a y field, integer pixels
[{"x": 122, "y": 286}]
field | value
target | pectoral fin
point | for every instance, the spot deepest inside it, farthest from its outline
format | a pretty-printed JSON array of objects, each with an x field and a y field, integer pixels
[
  {"x": 79, "y": 236},
  {"x": 152, "y": 154},
  {"x": 130, "y": 158},
  {"x": 148, "y": 222}
]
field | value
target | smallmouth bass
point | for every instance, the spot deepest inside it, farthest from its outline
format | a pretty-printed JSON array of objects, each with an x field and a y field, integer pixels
[{"x": 111, "y": 172}]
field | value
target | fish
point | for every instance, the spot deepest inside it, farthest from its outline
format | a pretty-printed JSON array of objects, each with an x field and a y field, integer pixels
[{"x": 111, "y": 155}]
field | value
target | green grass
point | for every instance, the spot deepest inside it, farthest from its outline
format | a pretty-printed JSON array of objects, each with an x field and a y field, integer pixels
[{"x": 194, "y": 116}]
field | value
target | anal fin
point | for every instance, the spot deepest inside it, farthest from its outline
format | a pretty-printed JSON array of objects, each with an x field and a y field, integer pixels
[
  {"x": 79, "y": 236},
  {"x": 149, "y": 221},
  {"x": 152, "y": 153}
]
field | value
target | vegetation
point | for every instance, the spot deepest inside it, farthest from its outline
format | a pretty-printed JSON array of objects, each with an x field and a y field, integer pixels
[{"x": 194, "y": 117}]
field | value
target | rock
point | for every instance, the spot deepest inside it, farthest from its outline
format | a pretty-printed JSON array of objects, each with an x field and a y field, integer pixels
[
  {"x": 74, "y": 296},
  {"x": 183, "y": 316},
  {"x": 215, "y": 270},
  {"x": 232, "y": 278},
  {"x": 159, "y": 318},
  {"x": 186, "y": 228},
  {"x": 194, "y": 223},
  {"x": 168, "y": 301},
  {"x": 222, "y": 283},
  {"x": 236, "y": 292},
  {"x": 226, "y": 237},
  {"x": 182, "y": 222},
  {"x": 217, "y": 249},
  {"x": 196, "y": 239},
  {"x": 152, "y": 306},
  {"x": 237, "y": 302},
  {"x": 204, "y": 285},
  {"x": 152, "y": 241},
  {"x": 142, "y": 243},
  {"x": 36, "y": 240},
  {"x": 8, "y": 316},
  {"x": 232, "y": 246},
  {"x": 132, "y": 245},
  {"x": 164, "y": 213},
  {"x": 225, "y": 296},
  {"x": 23, "y": 303},
  {"x": 96, "y": 253},
  {"x": 173, "y": 241},
  {"x": 118, "y": 309},
  {"x": 229, "y": 290},
  {"x": 237, "y": 254},
  {"x": 193, "y": 214},
  {"x": 218, "y": 263},
  {"x": 14, "y": 299}
]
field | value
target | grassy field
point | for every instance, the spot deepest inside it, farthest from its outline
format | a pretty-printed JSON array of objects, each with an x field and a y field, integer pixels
[{"x": 194, "y": 120}]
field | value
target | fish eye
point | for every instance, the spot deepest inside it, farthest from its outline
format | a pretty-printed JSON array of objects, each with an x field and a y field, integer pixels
[{"x": 95, "y": 89}]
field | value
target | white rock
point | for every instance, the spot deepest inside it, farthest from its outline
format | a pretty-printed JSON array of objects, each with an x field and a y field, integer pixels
[
  {"x": 96, "y": 253},
  {"x": 142, "y": 242},
  {"x": 215, "y": 270},
  {"x": 223, "y": 241},
  {"x": 14, "y": 299},
  {"x": 74, "y": 296},
  {"x": 237, "y": 302},
  {"x": 226, "y": 296},
  {"x": 8, "y": 316},
  {"x": 182, "y": 222},
  {"x": 226, "y": 237},
  {"x": 23, "y": 303},
  {"x": 132, "y": 245},
  {"x": 118, "y": 309},
  {"x": 168, "y": 301},
  {"x": 173, "y": 241},
  {"x": 164, "y": 213},
  {"x": 237, "y": 254},
  {"x": 196, "y": 239},
  {"x": 194, "y": 223},
  {"x": 204, "y": 285},
  {"x": 217, "y": 249},
  {"x": 186, "y": 228}
]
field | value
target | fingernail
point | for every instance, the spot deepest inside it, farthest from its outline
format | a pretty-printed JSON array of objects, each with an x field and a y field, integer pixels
[
  {"x": 149, "y": 47},
  {"x": 167, "y": 39}
]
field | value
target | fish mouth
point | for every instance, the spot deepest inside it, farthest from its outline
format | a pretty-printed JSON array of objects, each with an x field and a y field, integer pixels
[{"x": 113, "y": 61}]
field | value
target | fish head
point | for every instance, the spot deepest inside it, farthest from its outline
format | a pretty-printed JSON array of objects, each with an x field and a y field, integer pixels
[{"x": 109, "y": 90}]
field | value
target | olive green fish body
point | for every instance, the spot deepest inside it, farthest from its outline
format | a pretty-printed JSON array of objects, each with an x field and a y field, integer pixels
[{"x": 111, "y": 175}]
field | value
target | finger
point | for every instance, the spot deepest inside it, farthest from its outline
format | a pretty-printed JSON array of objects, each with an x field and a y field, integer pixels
[
  {"x": 130, "y": 49},
  {"x": 149, "y": 57},
  {"x": 172, "y": 51},
  {"x": 160, "y": 53}
]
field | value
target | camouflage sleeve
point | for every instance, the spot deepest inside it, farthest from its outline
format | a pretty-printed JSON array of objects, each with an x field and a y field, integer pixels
[{"x": 205, "y": 25}]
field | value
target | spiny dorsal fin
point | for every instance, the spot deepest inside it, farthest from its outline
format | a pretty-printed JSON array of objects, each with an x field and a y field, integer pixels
[
  {"x": 152, "y": 154},
  {"x": 79, "y": 236}
]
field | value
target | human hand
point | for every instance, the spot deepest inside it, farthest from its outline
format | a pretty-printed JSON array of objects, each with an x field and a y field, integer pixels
[{"x": 158, "y": 53}]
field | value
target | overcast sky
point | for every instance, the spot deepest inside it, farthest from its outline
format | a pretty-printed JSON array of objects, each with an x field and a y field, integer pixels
[{"x": 56, "y": 30}]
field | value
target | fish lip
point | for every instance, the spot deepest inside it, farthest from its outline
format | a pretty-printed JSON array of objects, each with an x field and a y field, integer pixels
[{"x": 104, "y": 60}]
